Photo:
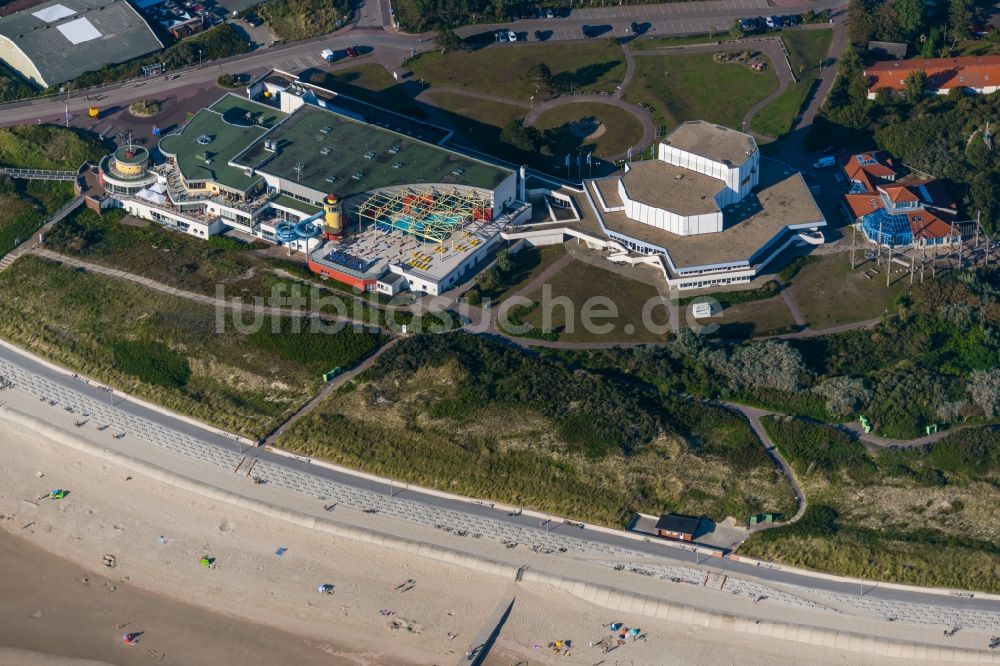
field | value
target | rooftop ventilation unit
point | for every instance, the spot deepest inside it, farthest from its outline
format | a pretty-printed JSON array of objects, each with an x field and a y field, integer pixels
[
  {"x": 397, "y": 165},
  {"x": 458, "y": 172},
  {"x": 395, "y": 149},
  {"x": 370, "y": 154},
  {"x": 326, "y": 130},
  {"x": 325, "y": 150},
  {"x": 358, "y": 175},
  {"x": 204, "y": 140},
  {"x": 331, "y": 179},
  {"x": 270, "y": 145}
]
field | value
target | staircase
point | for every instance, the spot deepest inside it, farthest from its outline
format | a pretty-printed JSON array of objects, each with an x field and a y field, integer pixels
[{"x": 246, "y": 466}]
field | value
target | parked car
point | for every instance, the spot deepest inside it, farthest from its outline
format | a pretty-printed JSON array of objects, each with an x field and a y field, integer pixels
[
  {"x": 511, "y": 36},
  {"x": 350, "y": 52},
  {"x": 549, "y": 13},
  {"x": 792, "y": 19},
  {"x": 827, "y": 162},
  {"x": 253, "y": 20},
  {"x": 774, "y": 22},
  {"x": 501, "y": 36}
]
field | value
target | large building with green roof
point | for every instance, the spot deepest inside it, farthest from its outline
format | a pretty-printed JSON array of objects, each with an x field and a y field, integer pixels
[{"x": 243, "y": 164}]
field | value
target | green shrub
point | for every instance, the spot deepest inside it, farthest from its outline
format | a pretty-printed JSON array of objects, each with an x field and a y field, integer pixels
[
  {"x": 814, "y": 448},
  {"x": 152, "y": 362},
  {"x": 796, "y": 265},
  {"x": 295, "y": 340},
  {"x": 301, "y": 19}
]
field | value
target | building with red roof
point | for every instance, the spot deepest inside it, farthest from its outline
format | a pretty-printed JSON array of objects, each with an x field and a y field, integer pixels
[
  {"x": 979, "y": 74},
  {"x": 896, "y": 212}
]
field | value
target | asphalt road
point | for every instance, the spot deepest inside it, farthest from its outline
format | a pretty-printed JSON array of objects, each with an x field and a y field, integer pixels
[
  {"x": 392, "y": 47},
  {"x": 217, "y": 438}
]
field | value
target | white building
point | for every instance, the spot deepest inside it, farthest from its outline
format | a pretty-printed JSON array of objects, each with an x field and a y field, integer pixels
[{"x": 707, "y": 212}]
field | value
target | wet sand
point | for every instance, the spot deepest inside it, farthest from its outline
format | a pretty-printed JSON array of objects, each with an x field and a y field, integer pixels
[{"x": 47, "y": 609}]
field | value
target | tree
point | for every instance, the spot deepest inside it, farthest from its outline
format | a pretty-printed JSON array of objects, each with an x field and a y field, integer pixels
[
  {"x": 843, "y": 394},
  {"x": 983, "y": 192},
  {"x": 911, "y": 15},
  {"x": 959, "y": 17},
  {"x": 489, "y": 279},
  {"x": 503, "y": 261},
  {"x": 736, "y": 31},
  {"x": 516, "y": 134},
  {"x": 540, "y": 76},
  {"x": 914, "y": 86},
  {"x": 931, "y": 45},
  {"x": 886, "y": 23},
  {"x": 448, "y": 40},
  {"x": 984, "y": 389},
  {"x": 977, "y": 154},
  {"x": 769, "y": 365}
]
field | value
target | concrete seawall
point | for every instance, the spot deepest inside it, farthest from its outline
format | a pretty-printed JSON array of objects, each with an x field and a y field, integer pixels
[{"x": 599, "y": 595}]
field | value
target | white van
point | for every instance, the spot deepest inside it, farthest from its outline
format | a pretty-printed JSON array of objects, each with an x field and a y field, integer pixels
[{"x": 827, "y": 162}]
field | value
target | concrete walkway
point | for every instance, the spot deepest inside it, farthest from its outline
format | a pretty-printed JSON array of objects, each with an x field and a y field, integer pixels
[
  {"x": 753, "y": 415},
  {"x": 793, "y": 307},
  {"x": 326, "y": 392}
]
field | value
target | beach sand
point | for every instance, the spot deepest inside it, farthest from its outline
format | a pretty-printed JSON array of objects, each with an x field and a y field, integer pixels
[{"x": 56, "y": 598}]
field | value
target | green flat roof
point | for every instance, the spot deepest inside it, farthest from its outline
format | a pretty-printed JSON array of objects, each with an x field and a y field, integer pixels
[
  {"x": 383, "y": 157},
  {"x": 295, "y": 204},
  {"x": 230, "y": 130}
]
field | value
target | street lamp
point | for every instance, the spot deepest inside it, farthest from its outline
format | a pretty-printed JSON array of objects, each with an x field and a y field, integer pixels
[
  {"x": 199, "y": 58},
  {"x": 532, "y": 101}
]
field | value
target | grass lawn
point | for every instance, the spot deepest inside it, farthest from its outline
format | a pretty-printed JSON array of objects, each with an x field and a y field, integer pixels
[
  {"x": 754, "y": 319},
  {"x": 591, "y": 66},
  {"x": 777, "y": 118},
  {"x": 583, "y": 127},
  {"x": 806, "y": 48},
  {"x": 468, "y": 414},
  {"x": 829, "y": 293},
  {"x": 917, "y": 516},
  {"x": 484, "y": 111},
  {"x": 675, "y": 87},
  {"x": 579, "y": 281},
  {"x": 109, "y": 329},
  {"x": 653, "y": 43},
  {"x": 527, "y": 265},
  {"x": 48, "y": 147}
]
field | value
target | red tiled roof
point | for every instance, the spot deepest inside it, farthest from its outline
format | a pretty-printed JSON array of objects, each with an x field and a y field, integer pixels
[
  {"x": 942, "y": 73},
  {"x": 899, "y": 193},
  {"x": 862, "y": 204},
  {"x": 924, "y": 224},
  {"x": 881, "y": 168}
]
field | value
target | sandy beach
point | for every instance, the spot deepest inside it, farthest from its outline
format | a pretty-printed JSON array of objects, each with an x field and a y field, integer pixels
[{"x": 252, "y": 607}]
